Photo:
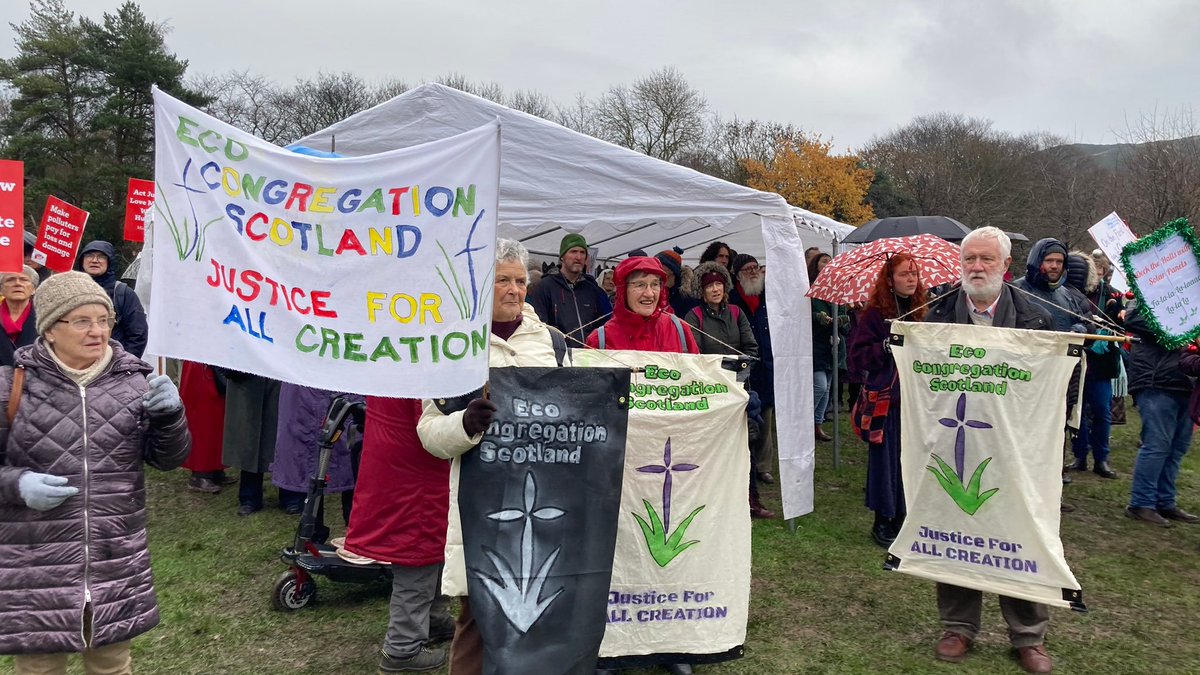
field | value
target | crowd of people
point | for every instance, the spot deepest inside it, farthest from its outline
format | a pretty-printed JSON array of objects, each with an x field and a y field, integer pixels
[{"x": 73, "y": 348}]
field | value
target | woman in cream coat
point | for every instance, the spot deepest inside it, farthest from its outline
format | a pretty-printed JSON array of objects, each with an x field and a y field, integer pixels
[{"x": 518, "y": 339}]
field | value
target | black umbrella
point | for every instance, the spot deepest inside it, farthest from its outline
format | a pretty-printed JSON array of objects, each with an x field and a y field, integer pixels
[{"x": 903, "y": 226}]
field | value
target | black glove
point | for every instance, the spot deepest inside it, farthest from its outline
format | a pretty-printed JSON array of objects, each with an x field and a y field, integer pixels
[{"x": 478, "y": 416}]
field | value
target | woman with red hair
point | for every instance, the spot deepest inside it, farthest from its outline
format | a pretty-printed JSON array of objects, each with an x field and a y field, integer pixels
[{"x": 897, "y": 292}]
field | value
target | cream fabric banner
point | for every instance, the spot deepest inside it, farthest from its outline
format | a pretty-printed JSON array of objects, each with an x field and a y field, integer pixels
[
  {"x": 982, "y": 421},
  {"x": 681, "y": 573},
  {"x": 368, "y": 274}
]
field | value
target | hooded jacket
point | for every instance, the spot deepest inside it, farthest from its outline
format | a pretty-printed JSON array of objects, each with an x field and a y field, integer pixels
[
  {"x": 1150, "y": 365},
  {"x": 1065, "y": 304},
  {"x": 130, "y": 329},
  {"x": 1083, "y": 276},
  {"x": 717, "y": 326},
  {"x": 93, "y": 545},
  {"x": 658, "y": 332},
  {"x": 1189, "y": 363}
]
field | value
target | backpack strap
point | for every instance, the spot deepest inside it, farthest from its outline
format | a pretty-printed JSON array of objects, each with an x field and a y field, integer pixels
[
  {"x": 600, "y": 335},
  {"x": 120, "y": 288},
  {"x": 14, "y": 396},
  {"x": 735, "y": 312},
  {"x": 699, "y": 317},
  {"x": 679, "y": 329}
]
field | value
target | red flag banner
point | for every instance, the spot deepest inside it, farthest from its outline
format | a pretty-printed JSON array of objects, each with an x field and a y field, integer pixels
[
  {"x": 137, "y": 205},
  {"x": 12, "y": 215},
  {"x": 59, "y": 236}
]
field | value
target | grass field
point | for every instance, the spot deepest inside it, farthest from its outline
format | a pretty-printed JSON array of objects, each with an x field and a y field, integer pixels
[{"x": 821, "y": 602}]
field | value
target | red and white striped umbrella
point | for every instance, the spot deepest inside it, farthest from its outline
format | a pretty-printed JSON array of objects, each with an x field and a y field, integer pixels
[{"x": 849, "y": 277}]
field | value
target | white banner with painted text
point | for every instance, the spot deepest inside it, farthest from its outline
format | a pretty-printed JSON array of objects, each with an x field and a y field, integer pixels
[
  {"x": 681, "y": 573},
  {"x": 368, "y": 274},
  {"x": 982, "y": 416}
]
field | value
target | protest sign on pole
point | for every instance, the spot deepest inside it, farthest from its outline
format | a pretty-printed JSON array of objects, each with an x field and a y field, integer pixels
[
  {"x": 1111, "y": 235},
  {"x": 138, "y": 200},
  {"x": 370, "y": 275},
  {"x": 981, "y": 423},
  {"x": 681, "y": 575},
  {"x": 12, "y": 215},
  {"x": 1166, "y": 281},
  {"x": 539, "y": 501},
  {"x": 59, "y": 235}
]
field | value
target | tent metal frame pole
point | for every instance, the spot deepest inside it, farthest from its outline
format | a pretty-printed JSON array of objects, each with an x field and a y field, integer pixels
[
  {"x": 535, "y": 236},
  {"x": 673, "y": 236},
  {"x": 639, "y": 228},
  {"x": 837, "y": 416}
]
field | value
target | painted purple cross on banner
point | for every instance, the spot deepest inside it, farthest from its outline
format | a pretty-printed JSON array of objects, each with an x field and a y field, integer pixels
[{"x": 663, "y": 544}]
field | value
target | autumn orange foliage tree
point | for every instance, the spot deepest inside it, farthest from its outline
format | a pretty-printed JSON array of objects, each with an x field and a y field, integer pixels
[{"x": 806, "y": 174}]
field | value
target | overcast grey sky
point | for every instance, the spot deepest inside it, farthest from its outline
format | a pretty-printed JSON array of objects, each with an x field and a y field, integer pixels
[{"x": 847, "y": 70}]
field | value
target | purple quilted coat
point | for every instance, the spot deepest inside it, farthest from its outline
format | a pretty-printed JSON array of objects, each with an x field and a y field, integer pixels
[{"x": 93, "y": 546}]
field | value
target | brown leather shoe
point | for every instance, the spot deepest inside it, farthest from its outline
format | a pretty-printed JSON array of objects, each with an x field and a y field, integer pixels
[
  {"x": 1176, "y": 513},
  {"x": 953, "y": 647},
  {"x": 761, "y": 513},
  {"x": 757, "y": 510},
  {"x": 1147, "y": 515},
  {"x": 820, "y": 434},
  {"x": 1034, "y": 659}
]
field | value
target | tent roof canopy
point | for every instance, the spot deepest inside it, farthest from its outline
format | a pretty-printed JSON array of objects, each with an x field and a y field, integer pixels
[{"x": 554, "y": 180}]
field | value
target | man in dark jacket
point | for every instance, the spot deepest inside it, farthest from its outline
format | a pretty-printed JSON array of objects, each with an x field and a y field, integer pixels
[
  {"x": 983, "y": 299},
  {"x": 1103, "y": 364},
  {"x": 570, "y": 299},
  {"x": 98, "y": 260},
  {"x": 1045, "y": 277},
  {"x": 1161, "y": 390},
  {"x": 750, "y": 295}
]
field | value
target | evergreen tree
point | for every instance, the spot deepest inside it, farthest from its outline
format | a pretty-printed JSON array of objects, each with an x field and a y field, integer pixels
[
  {"x": 82, "y": 115},
  {"x": 133, "y": 56},
  {"x": 49, "y": 125}
]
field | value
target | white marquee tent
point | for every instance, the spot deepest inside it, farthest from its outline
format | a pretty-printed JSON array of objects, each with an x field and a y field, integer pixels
[{"x": 554, "y": 180}]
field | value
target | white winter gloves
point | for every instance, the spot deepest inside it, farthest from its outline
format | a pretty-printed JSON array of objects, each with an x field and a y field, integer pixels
[
  {"x": 43, "y": 492},
  {"x": 163, "y": 397}
]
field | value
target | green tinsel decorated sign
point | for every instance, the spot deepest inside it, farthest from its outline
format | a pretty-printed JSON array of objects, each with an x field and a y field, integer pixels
[{"x": 1165, "y": 275}]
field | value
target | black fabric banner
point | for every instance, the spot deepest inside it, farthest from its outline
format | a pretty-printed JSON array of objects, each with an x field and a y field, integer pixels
[{"x": 539, "y": 501}]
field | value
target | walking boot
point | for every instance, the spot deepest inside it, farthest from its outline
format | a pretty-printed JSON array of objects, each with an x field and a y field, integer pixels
[
  {"x": 424, "y": 659},
  {"x": 1147, "y": 515},
  {"x": 881, "y": 531},
  {"x": 200, "y": 483},
  {"x": 758, "y": 511},
  {"x": 820, "y": 434},
  {"x": 1080, "y": 464},
  {"x": 1176, "y": 513},
  {"x": 1104, "y": 471}
]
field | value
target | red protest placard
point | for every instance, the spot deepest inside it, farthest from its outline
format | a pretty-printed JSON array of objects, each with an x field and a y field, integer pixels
[
  {"x": 12, "y": 215},
  {"x": 137, "y": 204},
  {"x": 59, "y": 235}
]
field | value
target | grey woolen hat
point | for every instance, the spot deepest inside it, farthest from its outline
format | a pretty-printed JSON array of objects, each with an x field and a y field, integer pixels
[{"x": 62, "y": 294}]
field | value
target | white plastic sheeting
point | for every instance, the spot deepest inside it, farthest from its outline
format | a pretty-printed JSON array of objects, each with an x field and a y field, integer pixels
[{"x": 554, "y": 180}]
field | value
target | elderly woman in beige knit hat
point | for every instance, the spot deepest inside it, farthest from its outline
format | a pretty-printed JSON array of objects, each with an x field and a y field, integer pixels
[{"x": 80, "y": 419}]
